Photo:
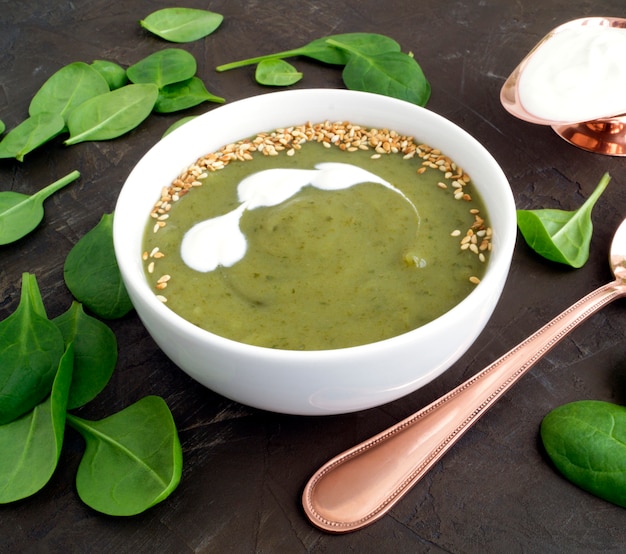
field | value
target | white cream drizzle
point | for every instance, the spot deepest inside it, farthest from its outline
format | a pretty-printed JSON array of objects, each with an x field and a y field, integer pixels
[{"x": 219, "y": 241}]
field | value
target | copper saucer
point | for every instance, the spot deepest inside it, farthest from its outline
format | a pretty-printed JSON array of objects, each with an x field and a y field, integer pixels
[{"x": 602, "y": 136}]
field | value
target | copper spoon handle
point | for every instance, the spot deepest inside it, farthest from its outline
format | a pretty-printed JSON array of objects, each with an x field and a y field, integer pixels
[{"x": 360, "y": 485}]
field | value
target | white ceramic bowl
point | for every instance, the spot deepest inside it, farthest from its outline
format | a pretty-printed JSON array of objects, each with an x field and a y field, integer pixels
[{"x": 313, "y": 382}]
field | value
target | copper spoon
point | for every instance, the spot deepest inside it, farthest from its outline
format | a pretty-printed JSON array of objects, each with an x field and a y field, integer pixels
[{"x": 362, "y": 484}]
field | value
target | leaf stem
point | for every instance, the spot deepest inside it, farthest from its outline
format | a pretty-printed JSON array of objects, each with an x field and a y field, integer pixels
[
  {"x": 53, "y": 187},
  {"x": 343, "y": 46},
  {"x": 597, "y": 192},
  {"x": 252, "y": 61}
]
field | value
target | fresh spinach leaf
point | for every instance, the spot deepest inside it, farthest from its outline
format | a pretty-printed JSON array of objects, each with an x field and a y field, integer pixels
[
  {"x": 92, "y": 275},
  {"x": 394, "y": 74},
  {"x": 21, "y": 213},
  {"x": 178, "y": 124},
  {"x": 114, "y": 74},
  {"x": 165, "y": 67},
  {"x": 31, "y": 445},
  {"x": 69, "y": 87},
  {"x": 183, "y": 95},
  {"x": 30, "y": 134},
  {"x": 2, "y": 126},
  {"x": 112, "y": 114},
  {"x": 30, "y": 349},
  {"x": 586, "y": 440},
  {"x": 182, "y": 24},
  {"x": 559, "y": 235},
  {"x": 95, "y": 353},
  {"x": 132, "y": 460},
  {"x": 322, "y": 50},
  {"x": 276, "y": 72}
]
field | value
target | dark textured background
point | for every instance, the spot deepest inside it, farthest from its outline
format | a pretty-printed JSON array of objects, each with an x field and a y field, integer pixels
[{"x": 245, "y": 469}]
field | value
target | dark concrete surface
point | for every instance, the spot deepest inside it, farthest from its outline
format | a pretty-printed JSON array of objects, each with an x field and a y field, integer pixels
[{"x": 245, "y": 469}]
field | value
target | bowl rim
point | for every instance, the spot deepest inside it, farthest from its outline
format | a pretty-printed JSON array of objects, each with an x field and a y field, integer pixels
[{"x": 498, "y": 262}]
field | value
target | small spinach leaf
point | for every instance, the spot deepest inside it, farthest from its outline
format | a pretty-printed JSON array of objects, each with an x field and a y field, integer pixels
[
  {"x": 322, "y": 50},
  {"x": 178, "y": 124},
  {"x": 165, "y": 67},
  {"x": 182, "y": 24},
  {"x": 586, "y": 440},
  {"x": 132, "y": 460},
  {"x": 559, "y": 235},
  {"x": 92, "y": 274},
  {"x": 30, "y": 349},
  {"x": 112, "y": 114},
  {"x": 31, "y": 445},
  {"x": 21, "y": 213},
  {"x": 30, "y": 134},
  {"x": 113, "y": 73},
  {"x": 276, "y": 72},
  {"x": 394, "y": 74},
  {"x": 183, "y": 95},
  {"x": 95, "y": 353},
  {"x": 69, "y": 87},
  {"x": 2, "y": 126}
]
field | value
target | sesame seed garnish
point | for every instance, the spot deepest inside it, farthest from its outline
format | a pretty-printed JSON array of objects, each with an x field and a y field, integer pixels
[{"x": 474, "y": 279}]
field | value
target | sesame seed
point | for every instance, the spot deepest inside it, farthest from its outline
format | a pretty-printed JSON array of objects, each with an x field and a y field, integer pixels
[{"x": 474, "y": 279}]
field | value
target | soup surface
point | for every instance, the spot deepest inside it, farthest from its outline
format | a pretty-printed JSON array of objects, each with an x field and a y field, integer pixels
[{"x": 329, "y": 264}]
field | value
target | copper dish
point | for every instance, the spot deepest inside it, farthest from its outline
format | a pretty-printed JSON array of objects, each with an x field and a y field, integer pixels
[{"x": 606, "y": 135}]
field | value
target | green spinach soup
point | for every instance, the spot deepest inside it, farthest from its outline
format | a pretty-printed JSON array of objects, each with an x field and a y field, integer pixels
[{"x": 318, "y": 236}]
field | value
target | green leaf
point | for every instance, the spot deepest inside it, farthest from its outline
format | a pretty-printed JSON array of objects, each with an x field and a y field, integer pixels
[
  {"x": 21, "y": 213},
  {"x": 30, "y": 134},
  {"x": 112, "y": 114},
  {"x": 276, "y": 72},
  {"x": 30, "y": 349},
  {"x": 132, "y": 460},
  {"x": 178, "y": 124},
  {"x": 168, "y": 66},
  {"x": 2, "y": 126},
  {"x": 114, "y": 74},
  {"x": 183, "y": 95},
  {"x": 69, "y": 87},
  {"x": 182, "y": 24},
  {"x": 95, "y": 353},
  {"x": 322, "y": 50},
  {"x": 92, "y": 275},
  {"x": 394, "y": 74},
  {"x": 31, "y": 445},
  {"x": 586, "y": 440},
  {"x": 561, "y": 236}
]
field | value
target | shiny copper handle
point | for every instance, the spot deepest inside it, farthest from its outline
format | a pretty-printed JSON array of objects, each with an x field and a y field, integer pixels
[{"x": 360, "y": 485}]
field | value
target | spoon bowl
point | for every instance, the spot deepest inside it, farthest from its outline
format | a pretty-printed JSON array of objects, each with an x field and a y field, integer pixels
[{"x": 361, "y": 485}]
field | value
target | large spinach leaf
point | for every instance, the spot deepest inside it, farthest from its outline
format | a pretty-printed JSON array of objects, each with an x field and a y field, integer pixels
[
  {"x": 586, "y": 440},
  {"x": 31, "y": 445},
  {"x": 559, "y": 235},
  {"x": 95, "y": 353},
  {"x": 30, "y": 349},
  {"x": 132, "y": 460},
  {"x": 92, "y": 274}
]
